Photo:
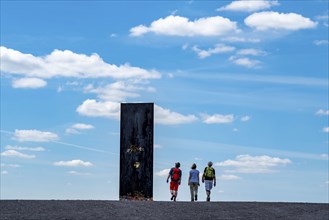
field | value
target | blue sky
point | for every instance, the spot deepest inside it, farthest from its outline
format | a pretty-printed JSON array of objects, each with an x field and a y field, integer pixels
[{"x": 243, "y": 84}]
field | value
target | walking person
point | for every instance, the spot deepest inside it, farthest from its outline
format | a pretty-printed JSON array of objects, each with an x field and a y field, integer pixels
[
  {"x": 208, "y": 178},
  {"x": 194, "y": 182},
  {"x": 175, "y": 176}
]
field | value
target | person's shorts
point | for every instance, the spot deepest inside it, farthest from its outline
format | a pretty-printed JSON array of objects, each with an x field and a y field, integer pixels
[
  {"x": 208, "y": 184},
  {"x": 174, "y": 186}
]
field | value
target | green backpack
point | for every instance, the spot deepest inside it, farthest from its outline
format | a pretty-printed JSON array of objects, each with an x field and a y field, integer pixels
[{"x": 209, "y": 172}]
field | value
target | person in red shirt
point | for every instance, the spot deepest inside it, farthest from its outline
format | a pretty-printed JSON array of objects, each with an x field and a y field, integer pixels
[{"x": 175, "y": 176}]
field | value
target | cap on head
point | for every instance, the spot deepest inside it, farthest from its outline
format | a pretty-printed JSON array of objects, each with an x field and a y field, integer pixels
[
  {"x": 177, "y": 164},
  {"x": 210, "y": 163}
]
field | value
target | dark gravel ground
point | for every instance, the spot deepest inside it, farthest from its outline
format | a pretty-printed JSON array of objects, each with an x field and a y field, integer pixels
[{"x": 93, "y": 209}]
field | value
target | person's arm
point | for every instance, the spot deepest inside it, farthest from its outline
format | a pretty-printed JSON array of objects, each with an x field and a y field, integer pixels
[
  {"x": 214, "y": 178},
  {"x": 169, "y": 175},
  {"x": 180, "y": 177},
  {"x": 203, "y": 174},
  {"x": 189, "y": 179},
  {"x": 198, "y": 179}
]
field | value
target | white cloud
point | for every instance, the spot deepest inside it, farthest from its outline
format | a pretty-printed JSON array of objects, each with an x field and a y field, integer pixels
[
  {"x": 219, "y": 48},
  {"x": 91, "y": 107},
  {"x": 120, "y": 90},
  {"x": 34, "y": 135},
  {"x": 111, "y": 110},
  {"x": 217, "y": 118},
  {"x": 164, "y": 172},
  {"x": 167, "y": 117},
  {"x": 326, "y": 129},
  {"x": 253, "y": 164},
  {"x": 76, "y": 128},
  {"x": 73, "y": 163},
  {"x": 28, "y": 83},
  {"x": 72, "y": 172},
  {"x": 4, "y": 172},
  {"x": 325, "y": 156},
  {"x": 14, "y": 153},
  {"x": 245, "y": 118},
  {"x": 322, "y": 112},
  {"x": 245, "y": 62},
  {"x": 10, "y": 165},
  {"x": 8, "y": 147},
  {"x": 253, "y": 52},
  {"x": 185, "y": 46},
  {"x": 242, "y": 39},
  {"x": 322, "y": 17},
  {"x": 182, "y": 26},
  {"x": 65, "y": 63},
  {"x": 248, "y": 6},
  {"x": 270, "y": 20},
  {"x": 229, "y": 177},
  {"x": 81, "y": 126},
  {"x": 321, "y": 42},
  {"x": 157, "y": 146}
]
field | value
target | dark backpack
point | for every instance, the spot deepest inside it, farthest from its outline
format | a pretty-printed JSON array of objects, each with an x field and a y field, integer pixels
[{"x": 175, "y": 174}]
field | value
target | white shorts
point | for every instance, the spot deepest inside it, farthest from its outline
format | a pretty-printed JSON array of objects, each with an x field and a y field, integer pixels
[{"x": 208, "y": 184}]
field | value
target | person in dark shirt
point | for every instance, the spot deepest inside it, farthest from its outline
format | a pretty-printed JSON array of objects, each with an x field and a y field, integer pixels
[{"x": 209, "y": 178}]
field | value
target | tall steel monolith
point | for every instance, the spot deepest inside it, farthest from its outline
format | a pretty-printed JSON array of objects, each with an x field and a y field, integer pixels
[{"x": 136, "y": 151}]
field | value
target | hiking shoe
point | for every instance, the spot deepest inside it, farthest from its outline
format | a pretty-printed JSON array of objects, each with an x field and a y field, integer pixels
[
  {"x": 172, "y": 197},
  {"x": 196, "y": 197},
  {"x": 208, "y": 198}
]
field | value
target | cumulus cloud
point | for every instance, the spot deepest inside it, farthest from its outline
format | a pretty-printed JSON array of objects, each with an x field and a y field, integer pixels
[
  {"x": 73, "y": 163},
  {"x": 34, "y": 135},
  {"x": 167, "y": 117},
  {"x": 8, "y": 147},
  {"x": 14, "y": 153},
  {"x": 248, "y": 6},
  {"x": 164, "y": 172},
  {"x": 93, "y": 108},
  {"x": 245, "y": 62},
  {"x": 322, "y": 112},
  {"x": 76, "y": 128},
  {"x": 217, "y": 118},
  {"x": 120, "y": 90},
  {"x": 253, "y": 164},
  {"x": 65, "y": 63},
  {"x": 28, "y": 83},
  {"x": 111, "y": 110},
  {"x": 219, "y": 48},
  {"x": 182, "y": 26},
  {"x": 270, "y": 20}
]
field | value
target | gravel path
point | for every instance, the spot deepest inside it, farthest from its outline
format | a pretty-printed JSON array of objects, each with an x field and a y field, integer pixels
[{"x": 93, "y": 209}]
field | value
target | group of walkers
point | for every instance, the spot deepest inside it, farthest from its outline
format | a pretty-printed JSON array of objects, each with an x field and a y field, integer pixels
[{"x": 208, "y": 178}]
